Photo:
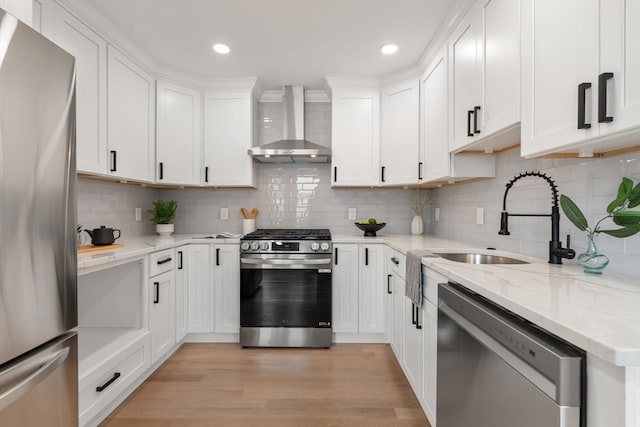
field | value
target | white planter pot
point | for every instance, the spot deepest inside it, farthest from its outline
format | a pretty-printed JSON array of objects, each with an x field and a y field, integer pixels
[
  {"x": 164, "y": 229},
  {"x": 417, "y": 226}
]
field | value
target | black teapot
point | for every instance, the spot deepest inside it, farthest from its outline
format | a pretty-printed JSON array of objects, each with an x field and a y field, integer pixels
[{"x": 103, "y": 236}]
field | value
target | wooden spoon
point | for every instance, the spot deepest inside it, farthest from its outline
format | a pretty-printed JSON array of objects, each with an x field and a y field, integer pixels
[
  {"x": 254, "y": 213},
  {"x": 245, "y": 213}
]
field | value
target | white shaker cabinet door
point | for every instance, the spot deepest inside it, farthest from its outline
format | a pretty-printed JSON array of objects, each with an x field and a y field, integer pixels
[
  {"x": 559, "y": 63},
  {"x": 228, "y": 135},
  {"x": 199, "y": 288},
  {"x": 178, "y": 145},
  {"x": 372, "y": 290},
  {"x": 162, "y": 314},
  {"x": 90, "y": 51},
  {"x": 182, "y": 302},
  {"x": 226, "y": 267},
  {"x": 344, "y": 293},
  {"x": 131, "y": 119},
  {"x": 619, "y": 66},
  {"x": 355, "y": 138},
  {"x": 400, "y": 138},
  {"x": 413, "y": 359},
  {"x": 397, "y": 328}
]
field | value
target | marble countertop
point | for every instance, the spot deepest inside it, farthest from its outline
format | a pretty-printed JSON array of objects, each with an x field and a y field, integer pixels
[{"x": 599, "y": 314}]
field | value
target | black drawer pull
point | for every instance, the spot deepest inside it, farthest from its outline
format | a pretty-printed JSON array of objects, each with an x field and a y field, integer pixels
[
  {"x": 206, "y": 174},
  {"x": 217, "y": 256},
  {"x": 335, "y": 256},
  {"x": 389, "y": 284},
  {"x": 163, "y": 261},
  {"x": 418, "y": 325},
  {"x": 395, "y": 260},
  {"x": 180, "y": 258},
  {"x": 420, "y": 170},
  {"x": 101, "y": 388},
  {"x": 582, "y": 106},
  {"x": 469, "y": 114},
  {"x": 113, "y": 161},
  {"x": 413, "y": 314},
  {"x": 366, "y": 256},
  {"x": 156, "y": 292},
  {"x": 335, "y": 174},
  {"x": 476, "y": 110},
  {"x": 382, "y": 174},
  {"x": 161, "y": 170},
  {"x": 602, "y": 98}
]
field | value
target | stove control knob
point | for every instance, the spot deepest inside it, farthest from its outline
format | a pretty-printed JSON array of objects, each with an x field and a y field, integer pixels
[
  {"x": 324, "y": 246},
  {"x": 255, "y": 246},
  {"x": 264, "y": 246},
  {"x": 244, "y": 246},
  {"x": 315, "y": 246}
]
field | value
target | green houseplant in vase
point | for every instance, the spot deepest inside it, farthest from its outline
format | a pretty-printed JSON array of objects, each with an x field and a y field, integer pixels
[
  {"x": 163, "y": 214},
  {"x": 618, "y": 211}
]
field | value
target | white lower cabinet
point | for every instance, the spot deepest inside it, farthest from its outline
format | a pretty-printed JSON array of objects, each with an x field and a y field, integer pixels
[
  {"x": 412, "y": 355},
  {"x": 371, "y": 295},
  {"x": 226, "y": 284},
  {"x": 397, "y": 327},
  {"x": 344, "y": 283},
  {"x": 162, "y": 303},
  {"x": 199, "y": 288},
  {"x": 181, "y": 296}
]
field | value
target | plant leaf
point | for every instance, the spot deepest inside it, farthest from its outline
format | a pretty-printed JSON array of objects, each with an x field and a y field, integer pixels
[
  {"x": 623, "y": 232},
  {"x": 624, "y": 188},
  {"x": 573, "y": 213},
  {"x": 625, "y": 218},
  {"x": 616, "y": 203},
  {"x": 634, "y": 197}
]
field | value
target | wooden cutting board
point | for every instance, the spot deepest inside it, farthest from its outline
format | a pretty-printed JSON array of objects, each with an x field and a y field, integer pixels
[{"x": 84, "y": 249}]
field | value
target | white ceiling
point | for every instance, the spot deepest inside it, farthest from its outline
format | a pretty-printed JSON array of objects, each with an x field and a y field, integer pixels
[{"x": 280, "y": 41}]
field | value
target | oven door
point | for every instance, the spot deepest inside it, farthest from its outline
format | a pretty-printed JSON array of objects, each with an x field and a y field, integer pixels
[{"x": 290, "y": 291}]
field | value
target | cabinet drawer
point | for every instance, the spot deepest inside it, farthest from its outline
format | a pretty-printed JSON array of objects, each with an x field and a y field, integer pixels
[
  {"x": 123, "y": 368},
  {"x": 161, "y": 262},
  {"x": 397, "y": 263}
]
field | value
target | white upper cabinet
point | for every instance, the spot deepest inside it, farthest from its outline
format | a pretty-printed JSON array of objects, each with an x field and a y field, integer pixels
[
  {"x": 90, "y": 51},
  {"x": 582, "y": 89},
  {"x": 229, "y": 121},
  {"x": 178, "y": 143},
  {"x": 400, "y": 115},
  {"x": 355, "y": 135},
  {"x": 131, "y": 119},
  {"x": 484, "y": 70},
  {"x": 437, "y": 163}
]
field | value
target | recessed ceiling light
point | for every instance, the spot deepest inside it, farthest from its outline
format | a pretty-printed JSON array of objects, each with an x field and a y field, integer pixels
[
  {"x": 388, "y": 49},
  {"x": 221, "y": 48}
]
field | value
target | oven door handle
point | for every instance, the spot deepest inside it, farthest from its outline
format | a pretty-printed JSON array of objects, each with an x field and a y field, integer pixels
[{"x": 310, "y": 262}]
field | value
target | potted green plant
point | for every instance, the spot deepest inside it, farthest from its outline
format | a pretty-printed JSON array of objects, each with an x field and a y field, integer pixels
[
  {"x": 163, "y": 214},
  {"x": 618, "y": 211}
]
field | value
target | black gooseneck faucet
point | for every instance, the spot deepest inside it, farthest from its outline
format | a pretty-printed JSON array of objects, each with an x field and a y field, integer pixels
[{"x": 556, "y": 251}]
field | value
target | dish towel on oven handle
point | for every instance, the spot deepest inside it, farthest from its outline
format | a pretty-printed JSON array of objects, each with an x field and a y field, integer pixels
[{"x": 413, "y": 276}]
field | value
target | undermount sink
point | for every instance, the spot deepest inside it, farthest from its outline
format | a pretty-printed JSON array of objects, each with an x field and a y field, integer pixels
[{"x": 476, "y": 258}]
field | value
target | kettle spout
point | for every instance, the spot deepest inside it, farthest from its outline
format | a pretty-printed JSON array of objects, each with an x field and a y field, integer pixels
[{"x": 90, "y": 233}]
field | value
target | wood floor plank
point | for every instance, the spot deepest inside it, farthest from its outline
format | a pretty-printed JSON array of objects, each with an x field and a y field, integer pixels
[{"x": 226, "y": 385}]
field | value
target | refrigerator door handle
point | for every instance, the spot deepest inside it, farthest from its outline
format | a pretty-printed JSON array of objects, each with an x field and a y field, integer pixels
[{"x": 24, "y": 385}]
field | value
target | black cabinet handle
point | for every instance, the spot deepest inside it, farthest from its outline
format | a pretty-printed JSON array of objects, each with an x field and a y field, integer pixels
[
  {"x": 382, "y": 174},
  {"x": 418, "y": 325},
  {"x": 395, "y": 260},
  {"x": 413, "y": 314},
  {"x": 206, "y": 174},
  {"x": 366, "y": 256},
  {"x": 602, "y": 98},
  {"x": 163, "y": 261},
  {"x": 102, "y": 387},
  {"x": 335, "y": 257},
  {"x": 476, "y": 110},
  {"x": 582, "y": 105},
  {"x": 113, "y": 160},
  {"x": 420, "y": 170},
  {"x": 217, "y": 256},
  {"x": 156, "y": 291},
  {"x": 335, "y": 174},
  {"x": 469, "y": 114},
  {"x": 389, "y": 284},
  {"x": 161, "y": 170},
  {"x": 180, "y": 258}
]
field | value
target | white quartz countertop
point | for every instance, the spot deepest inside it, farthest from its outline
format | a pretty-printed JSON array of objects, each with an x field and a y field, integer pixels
[{"x": 599, "y": 314}]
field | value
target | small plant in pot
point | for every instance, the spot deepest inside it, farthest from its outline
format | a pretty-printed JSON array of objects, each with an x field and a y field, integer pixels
[{"x": 163, "y": 214}]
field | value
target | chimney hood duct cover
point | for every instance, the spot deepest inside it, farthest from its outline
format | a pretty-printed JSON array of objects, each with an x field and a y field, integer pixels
[{"x": 292, "y": 148}]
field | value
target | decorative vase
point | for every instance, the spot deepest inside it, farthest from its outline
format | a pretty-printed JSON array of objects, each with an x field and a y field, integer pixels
[
  {"x": 164, "y": 229},
  {"x": 417, "y": 226},
  {"x": 592, "y": 261}
]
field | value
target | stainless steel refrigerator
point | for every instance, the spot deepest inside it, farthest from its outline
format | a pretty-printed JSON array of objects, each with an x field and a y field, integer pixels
[{"x": 38, "y": 308}]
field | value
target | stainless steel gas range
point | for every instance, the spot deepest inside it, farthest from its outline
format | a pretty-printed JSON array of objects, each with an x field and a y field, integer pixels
[{"x": 285, "y": 288}]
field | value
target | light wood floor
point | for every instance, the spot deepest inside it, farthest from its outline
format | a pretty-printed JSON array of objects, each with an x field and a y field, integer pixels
[{"x": 226, "y": 385}]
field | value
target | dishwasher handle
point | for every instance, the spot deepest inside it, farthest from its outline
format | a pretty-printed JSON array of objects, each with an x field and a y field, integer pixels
[{"x": 554, "y": 367}]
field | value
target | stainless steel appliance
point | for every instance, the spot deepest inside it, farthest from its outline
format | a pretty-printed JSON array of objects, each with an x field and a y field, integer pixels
[
  {"x": 496, "y": 369},
  {"x": 285, "y": 288},
  {"x": 38, "y": 352}
]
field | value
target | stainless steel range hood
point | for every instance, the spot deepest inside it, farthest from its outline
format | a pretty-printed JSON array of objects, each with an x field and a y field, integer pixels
[{"x": 292, "y": 148}]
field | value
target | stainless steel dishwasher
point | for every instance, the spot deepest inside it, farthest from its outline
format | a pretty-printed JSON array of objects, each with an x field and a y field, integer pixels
[{"x": 498, "y": 370}]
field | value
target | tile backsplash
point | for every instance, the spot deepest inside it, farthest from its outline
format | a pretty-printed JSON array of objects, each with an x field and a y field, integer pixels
[{"x": 591, "y": 183}]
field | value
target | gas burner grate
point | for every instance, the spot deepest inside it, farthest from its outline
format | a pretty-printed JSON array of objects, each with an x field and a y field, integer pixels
[{"x": 289, "y": 234}]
